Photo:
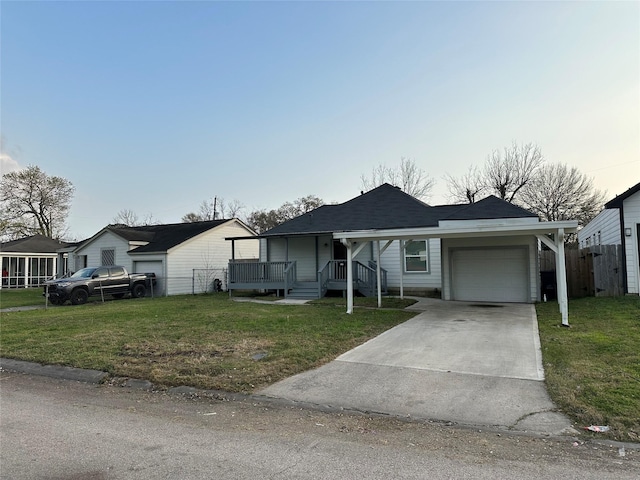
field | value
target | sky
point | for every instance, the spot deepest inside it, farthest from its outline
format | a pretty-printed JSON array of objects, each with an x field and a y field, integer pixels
[{"x": 156, "y": 106}]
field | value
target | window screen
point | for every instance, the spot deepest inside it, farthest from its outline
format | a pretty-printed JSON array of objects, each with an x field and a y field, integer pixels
[{"x": 108, "y": 257}]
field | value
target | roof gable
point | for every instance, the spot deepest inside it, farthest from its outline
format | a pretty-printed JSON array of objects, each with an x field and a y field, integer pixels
[
  {"x": 489, "y": 207},
  {"x": 619, "y": 200},
  {"x": 158, "y": 238}
]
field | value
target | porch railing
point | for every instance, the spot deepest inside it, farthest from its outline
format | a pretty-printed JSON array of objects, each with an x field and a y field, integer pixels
[
  {"x": 290, "y": 277},
  {"x": 334, "y": 272},
  {"x": 250, "y": 273}
]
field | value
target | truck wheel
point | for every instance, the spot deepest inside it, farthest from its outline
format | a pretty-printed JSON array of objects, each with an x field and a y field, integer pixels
[
  {"x": 54, "y": 301},
  {"x": 139, "y": 291},
  {"x": 79, "y": 296}
]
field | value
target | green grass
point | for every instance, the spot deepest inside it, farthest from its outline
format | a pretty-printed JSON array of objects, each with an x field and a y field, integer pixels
[
  {"x": 206, "y": 341},
  {"x": 20, "y": 297},
  {"x": 593, "y": 368}
]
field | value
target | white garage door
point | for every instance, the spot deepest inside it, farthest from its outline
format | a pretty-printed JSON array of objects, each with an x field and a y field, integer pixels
[
  {"x": 490, "y": 275},
  {"x": 148, "y": 267}
]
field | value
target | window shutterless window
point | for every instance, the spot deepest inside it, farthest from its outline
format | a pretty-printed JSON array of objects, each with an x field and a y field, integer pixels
[
  {"x": 108, "y": 256},
  {"x": 416, "y": 256}
]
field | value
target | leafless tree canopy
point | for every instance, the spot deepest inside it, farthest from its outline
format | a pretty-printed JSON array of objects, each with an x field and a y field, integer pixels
[
  {"x": 263, "y": 220},
  {"x": 559, "y": 192},
  {"x": 33, "y": 202},
  {"x": 508, "y": 171},
  {"x": 130, "y": 219},
  {"x": 467, "y": 188},
  {"x": 408, "y": 176},
  {"x": 217, "y": 208}
]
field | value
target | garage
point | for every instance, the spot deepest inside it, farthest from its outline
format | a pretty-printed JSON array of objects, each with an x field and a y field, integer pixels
[
  {"x": 152, "y": 266},
  {"x": 490, "y": 274}
]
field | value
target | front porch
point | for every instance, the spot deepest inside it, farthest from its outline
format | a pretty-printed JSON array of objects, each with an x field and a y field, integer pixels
[{"x": 282, "y": 276}]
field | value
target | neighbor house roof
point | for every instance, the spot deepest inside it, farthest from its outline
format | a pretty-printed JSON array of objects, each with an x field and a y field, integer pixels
[
  {"x": 159, "y": 238},
  {"x": 33, "y": 244},
  {"x": 388, "y": 207},
  {"x": 617, "y": 202}
]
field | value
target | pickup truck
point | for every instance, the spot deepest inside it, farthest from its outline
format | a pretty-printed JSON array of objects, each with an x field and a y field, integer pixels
[{"x": 111, "y": 280}]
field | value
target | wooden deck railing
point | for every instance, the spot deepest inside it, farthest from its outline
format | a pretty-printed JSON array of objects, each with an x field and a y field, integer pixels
[
  {"x": 259, "y": 274},
  {"x": 334, "y": 273}
]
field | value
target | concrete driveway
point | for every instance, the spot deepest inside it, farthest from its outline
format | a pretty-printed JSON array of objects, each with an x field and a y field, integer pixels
[{"x": 472, "y": 364}]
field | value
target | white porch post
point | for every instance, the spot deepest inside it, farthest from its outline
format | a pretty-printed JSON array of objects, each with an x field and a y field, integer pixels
[
  {"x": 561, "y": 278},
  {"x": 347, "y": 244},
  {"x": 401, "y": 243},
  {"x": 379, "y": 276}
]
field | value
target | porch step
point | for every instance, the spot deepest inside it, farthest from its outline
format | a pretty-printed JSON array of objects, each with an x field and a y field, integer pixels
[{"x": 304, "y": 290}]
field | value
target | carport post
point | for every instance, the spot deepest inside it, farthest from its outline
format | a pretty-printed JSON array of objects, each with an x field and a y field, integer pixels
[
  {"x": 347, "y": 244},
  {"x": 561, "y": 278},
  {"x": 379, "y": 277}
]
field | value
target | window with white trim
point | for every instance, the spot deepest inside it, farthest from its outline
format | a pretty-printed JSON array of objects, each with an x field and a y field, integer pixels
[{"x": 416, "y": 256}]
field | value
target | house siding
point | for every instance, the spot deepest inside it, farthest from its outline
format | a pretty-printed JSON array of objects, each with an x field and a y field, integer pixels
[
  {"x": 208, "y": 250},
  {"x": 303, "y": 251},
  {"x": 418, "y": 283},
  {"x": 107, "y": 240},
  {"x": 604, "y": 229},
  {"x": 491, "y": 242},
  {"x": 631, "y": 214}
]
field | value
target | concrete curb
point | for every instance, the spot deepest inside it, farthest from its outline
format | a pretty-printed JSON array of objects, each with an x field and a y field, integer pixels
[{"x": 53, "y": 371}]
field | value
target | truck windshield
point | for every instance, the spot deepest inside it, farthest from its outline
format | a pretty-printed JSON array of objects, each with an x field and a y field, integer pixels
[{"x": 84, "y": 273}]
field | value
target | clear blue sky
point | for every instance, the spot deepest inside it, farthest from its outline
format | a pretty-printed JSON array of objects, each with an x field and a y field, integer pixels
[{"x": 157, "y": 106}]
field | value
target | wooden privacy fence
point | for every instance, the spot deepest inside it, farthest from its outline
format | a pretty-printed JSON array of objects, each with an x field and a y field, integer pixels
[{"x": 592, "y": 271}]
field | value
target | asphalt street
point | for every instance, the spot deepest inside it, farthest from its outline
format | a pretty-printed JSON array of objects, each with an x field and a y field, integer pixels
[{"x": 60, "y": 429}]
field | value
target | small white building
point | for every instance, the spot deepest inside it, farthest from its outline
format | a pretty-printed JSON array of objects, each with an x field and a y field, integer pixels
[
  {"x": 185, "y": 257},
  {"x": 619, "y": 224}
]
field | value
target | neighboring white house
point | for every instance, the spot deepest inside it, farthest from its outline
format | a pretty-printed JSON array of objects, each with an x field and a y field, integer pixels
[
  {"x": 185, "y": 257},
  {"x": 29, "y": 261},
  {"x": 485, "y": 251},
  {"x": 619, "y": 224}
]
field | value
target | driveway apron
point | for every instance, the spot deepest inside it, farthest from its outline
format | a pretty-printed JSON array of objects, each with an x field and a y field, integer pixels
[{"x": 473, "y": 364}]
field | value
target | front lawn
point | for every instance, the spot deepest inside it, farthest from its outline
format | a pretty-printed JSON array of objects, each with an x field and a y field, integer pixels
[
  {"x": 593, "y": 368},
  {"x": 206, "y": 341},
  {"x": 20, "y": 297}
]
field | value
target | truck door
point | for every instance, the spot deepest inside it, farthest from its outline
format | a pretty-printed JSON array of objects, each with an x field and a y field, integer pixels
[{"x": 118, "y": 281}]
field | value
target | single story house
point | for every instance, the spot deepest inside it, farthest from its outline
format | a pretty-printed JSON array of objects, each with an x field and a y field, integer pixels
[
  {"x": 29, "y": 261},
  {"x": 185, "y": 257},
  {"x": 619, "y": 224},
  {"x": 387, "y": 241}
]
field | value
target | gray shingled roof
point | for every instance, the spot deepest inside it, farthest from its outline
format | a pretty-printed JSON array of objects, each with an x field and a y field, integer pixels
[
  {"x": 32, "y": 244},
  {"x": 162, "y": 237},
  {"x": 388, "y": 207}
]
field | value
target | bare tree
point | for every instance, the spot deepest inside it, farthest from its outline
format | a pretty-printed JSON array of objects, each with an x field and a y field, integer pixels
[
  {"x": 218, "y": 208},
  {"x": 408, "y": 176},
  {"x": 506, "y": 172},
  {"x": 33, "y": 202},
  {"x": 130, "y": 219},
  {"x": 126, "y": 217},
  {"x": 263, "y": 220},
  {"x": 466, "y": 188},
  {"x": 559, "y": 192}
]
